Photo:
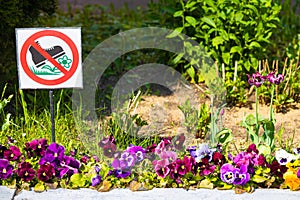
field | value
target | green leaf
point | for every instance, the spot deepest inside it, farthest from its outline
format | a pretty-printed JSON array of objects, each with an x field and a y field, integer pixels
[
  {"x": 178, "y": 58},
  {"x": 175, "y": 33},
  {"x": 191, "y": 20},
  {"x": 259, "y": 179},
  {"x": 217, "y": 40},
  {"x": 178, "y": 13},
  {"x": 77, "y": 180},
  {"x": 209, "y": 21},
  {"x": 226, "y": 58},
  {"x": 255, "y": 44},
  {"x": 236, "y": 49}
]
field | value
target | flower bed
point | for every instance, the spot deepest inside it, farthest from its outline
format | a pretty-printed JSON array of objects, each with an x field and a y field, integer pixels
[{"x": 43, "y": 166}]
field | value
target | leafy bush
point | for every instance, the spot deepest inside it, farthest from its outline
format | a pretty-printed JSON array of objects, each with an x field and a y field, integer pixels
[{"x": 231, "y": 30}]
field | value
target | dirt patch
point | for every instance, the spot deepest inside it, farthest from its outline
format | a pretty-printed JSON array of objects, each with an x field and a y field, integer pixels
[{"x": 163, "y": 115}]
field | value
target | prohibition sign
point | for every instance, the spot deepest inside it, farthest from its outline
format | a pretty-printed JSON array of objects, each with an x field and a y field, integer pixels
[{"x": 31, "y": 42}]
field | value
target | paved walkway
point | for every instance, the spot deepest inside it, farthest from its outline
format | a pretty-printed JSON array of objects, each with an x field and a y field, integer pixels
[{"x": 155, "y": 194}]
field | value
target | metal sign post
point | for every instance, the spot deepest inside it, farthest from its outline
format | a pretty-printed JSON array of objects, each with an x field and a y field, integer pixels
[{"x": 52, "y": 115}]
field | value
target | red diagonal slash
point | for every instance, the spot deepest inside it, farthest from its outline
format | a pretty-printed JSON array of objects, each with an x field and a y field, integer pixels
[{"x": 48, "y": 57}]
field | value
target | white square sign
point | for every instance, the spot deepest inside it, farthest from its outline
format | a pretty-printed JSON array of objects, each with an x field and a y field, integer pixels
[{"x": 49, "y": 58}]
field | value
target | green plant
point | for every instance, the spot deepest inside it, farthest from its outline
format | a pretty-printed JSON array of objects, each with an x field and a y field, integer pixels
[
  {"x": 197, "y": 121},
  {"x": 231, "y": 30},
  {"x": 5, "y": 118}
]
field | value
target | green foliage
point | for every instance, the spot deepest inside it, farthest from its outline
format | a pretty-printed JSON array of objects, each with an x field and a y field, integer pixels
[
  {"x": 197, "y": 121},
  {"x": 231, "y": 30},
  {"x": 5, "y": 118}
]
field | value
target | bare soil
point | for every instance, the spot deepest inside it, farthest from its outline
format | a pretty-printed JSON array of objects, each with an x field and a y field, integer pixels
[{"x": 163, "y": 115}]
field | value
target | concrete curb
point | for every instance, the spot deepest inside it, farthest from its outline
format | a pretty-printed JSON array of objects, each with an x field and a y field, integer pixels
[
  {"x": 155, "y": 194},
  {"x": 6, "y": 193}
]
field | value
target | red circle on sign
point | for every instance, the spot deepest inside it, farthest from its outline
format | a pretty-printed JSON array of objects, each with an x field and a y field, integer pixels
[{"x": 65, "y": 38}]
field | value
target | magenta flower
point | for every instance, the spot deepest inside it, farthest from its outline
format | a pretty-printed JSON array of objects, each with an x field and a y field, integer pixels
[
  {"x": 256, "y": 79},
  {"x": 161, "y": 168},
  {"x": 205, "y": 167},
  {"x": 5, "y": 169},
  {"x": 298, "y": 173},
  {"x": 25, "y": 171},
  {"x": 218, "y": 158},
  {"x": 54, "y": 155},
  {"x": 183, "y": 166},
  {"x": 168, "y": 155},
  {"x": 69, "y": 165},
  {"x": 275, "y": 79},
  {"x": 12, "y": 154},
  {"x": 46, "y": 172},
  {"x": 174, "y": 174},
  {"x": 36, "y": 147}
]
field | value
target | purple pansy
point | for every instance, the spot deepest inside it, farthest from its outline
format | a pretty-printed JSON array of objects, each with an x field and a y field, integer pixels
[
  {"x": 137, "y": 151},
  {"x": 5, "y": 169},
  {"x": 122, "y": 167},
  {"x": 232, "y": 175},
  {"x": 227, "y": 172},
  {"x": 256, "y": 79},
  {"x": 298, "y": 173},
  {"x": 96, "y": 180},
  {"x": 108, "y": 146},
  {"x": 12, "y": 154},
  {"x": 54, "y": 155},
  {"x": 241, "y": 176},
  {"x": 202, "y": 151},
  {"x": 69, "y": 166},
  {"x": 296, "y": 151},
  {"x": 275, "y": 79},
  {"x": 168, "y": 155}
]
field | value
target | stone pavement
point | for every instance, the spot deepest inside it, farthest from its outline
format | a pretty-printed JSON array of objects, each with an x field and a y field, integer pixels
[{"x": 155, "y": 194}]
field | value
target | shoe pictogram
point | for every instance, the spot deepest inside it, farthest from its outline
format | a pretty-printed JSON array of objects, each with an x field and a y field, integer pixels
[{"x": 39, "y": 60}]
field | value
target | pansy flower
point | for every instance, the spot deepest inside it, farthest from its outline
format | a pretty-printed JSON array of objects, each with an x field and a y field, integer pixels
[
  {"x": 232, "y": 175},
  {"x": 277, "y": 169},
  {"x": 137, "y": 151},
  {"x": 202, "y": 151},
  {"x": 228, "y": 172},
  {"x": 108, "y": 146},
  {"x": 12, "y": 154},
  {"x": 25, "y": 171},
  {"x": 54, "y": 155},
  {"x": 178, "y": 141},
  {"x": 205, "y": 167},
  {"x": 96, "y": 180},
  {"x": 283, "y": 157},
  {"x": 46, "y": 172},
  {"x": 5, "y": 169},
  {"x": 36, "y": 147},
  {"x": 69, "y": 166},
  {"x": 161, "y": 167}
]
